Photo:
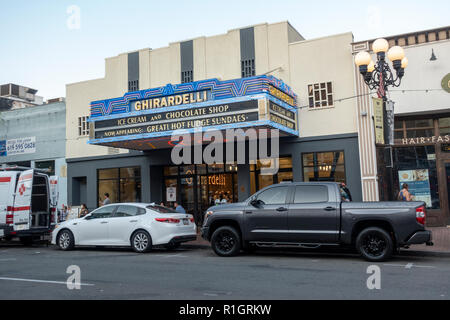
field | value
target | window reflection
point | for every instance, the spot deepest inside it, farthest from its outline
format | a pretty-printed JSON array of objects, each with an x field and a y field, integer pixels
[{"x": 324, "y": 166}]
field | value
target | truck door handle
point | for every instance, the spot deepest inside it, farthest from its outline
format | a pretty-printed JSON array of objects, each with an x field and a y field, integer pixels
[
  {"x": 281, "y": 209},
  {"x": 330, "y": 209},
  {"x": 104, "y": 222}
]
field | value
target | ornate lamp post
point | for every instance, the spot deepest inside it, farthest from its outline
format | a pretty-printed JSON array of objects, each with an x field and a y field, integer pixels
[{"x": 380, "y": 76}]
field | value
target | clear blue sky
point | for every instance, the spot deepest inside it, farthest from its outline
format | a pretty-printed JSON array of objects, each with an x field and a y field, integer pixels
[{"x": 39, "y": 50}]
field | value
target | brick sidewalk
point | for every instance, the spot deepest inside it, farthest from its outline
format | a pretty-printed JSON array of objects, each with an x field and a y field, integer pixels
[{"x": 441, "y": 239}]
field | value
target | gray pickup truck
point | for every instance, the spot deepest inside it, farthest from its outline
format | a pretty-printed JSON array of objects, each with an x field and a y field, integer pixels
[{"x": 312, "y": 215}]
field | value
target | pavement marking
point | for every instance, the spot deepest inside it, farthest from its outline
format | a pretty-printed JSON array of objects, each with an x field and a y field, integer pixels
[
  {"x": 170, "y": 255},
  {"x": 408, "y": 266},
  {"x": 11, "y": 259},
  {"x": 45, "y": 281}
]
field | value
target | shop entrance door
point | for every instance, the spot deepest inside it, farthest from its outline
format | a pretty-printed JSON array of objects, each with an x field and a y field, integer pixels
[{"x": 216, "y": 189}]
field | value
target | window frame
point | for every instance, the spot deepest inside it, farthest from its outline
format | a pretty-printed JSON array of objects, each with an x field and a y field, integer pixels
[
  {"x": 118, "y": 180},
  {"x": 310, "y": 186},
  {"x": 248, "y": 68},
  {"x": 286, "y": 200},
  {"x": 314, "y": 166},
  {"x": 83, "y": 126},
  {"x": 92, "y": 214},
  {"x": 133, "y": 85},
  {"x": 328, "y": 90},
  {"x": 132, "y": 206},
  {"x": 187, "y": 76}
]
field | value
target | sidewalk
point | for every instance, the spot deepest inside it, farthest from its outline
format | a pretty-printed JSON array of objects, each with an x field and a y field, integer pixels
[{"x": 441, "y": 240}]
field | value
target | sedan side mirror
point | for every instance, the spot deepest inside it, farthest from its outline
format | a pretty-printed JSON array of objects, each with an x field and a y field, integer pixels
[{"x": 89, "y": 217}]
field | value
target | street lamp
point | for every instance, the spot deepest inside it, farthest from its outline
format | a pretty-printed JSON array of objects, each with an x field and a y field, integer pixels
[{"x": 380, "y": 76}]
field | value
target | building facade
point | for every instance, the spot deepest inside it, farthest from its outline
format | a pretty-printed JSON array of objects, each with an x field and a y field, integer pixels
[
  {"x": 421, "y": 153},
  {"x": 267, "y": 76},
  {"x": 34, "y": 137}
]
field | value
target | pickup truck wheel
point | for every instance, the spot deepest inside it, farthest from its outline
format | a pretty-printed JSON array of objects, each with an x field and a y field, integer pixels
[
  {"x": 65, "y": 241},
  {"x": 374, "y": 244},
  {"x": 226, "y": 242}
]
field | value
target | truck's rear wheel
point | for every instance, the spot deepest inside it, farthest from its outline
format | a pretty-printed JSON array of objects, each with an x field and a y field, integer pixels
[
  {"x": 226, "y": 242},
  {"x": 375, "y": 244},
  {"x": 66, "y": 240}
]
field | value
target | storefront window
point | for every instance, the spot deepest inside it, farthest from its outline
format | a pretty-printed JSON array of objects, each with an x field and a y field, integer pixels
[
  {"x": 198, "y": 187},
  {"x": 259, "y": 181},
  {"x": 122, "y": 184},
  {"x": 416, "y": 166},
  {"x": 324, "y": 166},
  {"x": 444, "y": 126}
]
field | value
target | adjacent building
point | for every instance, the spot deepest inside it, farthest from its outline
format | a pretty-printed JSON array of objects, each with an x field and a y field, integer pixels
[
  {"x": 34, "y": 135},
  {"x": 263, "y": 77},
  {"x": 421, "y": 154}
]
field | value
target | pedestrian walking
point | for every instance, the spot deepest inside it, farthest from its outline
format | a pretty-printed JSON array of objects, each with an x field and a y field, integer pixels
[
  {"x": 404, "y": 194},
  {"x": 106, "y": 201},
  {"x": 64, "y": 213}
]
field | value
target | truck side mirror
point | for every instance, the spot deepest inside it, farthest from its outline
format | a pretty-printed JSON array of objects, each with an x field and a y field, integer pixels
[{"x": 256, "y": 203}]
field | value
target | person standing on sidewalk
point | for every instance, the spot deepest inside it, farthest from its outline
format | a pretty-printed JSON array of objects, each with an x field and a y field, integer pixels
[
  {"x": 107, "y": 200},
  {"x": 179, "y": 208},
  {"x": 404, "y": 194}
]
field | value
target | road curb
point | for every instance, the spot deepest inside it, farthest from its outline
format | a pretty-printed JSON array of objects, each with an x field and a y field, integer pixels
[{"x": 424, "y": 253}]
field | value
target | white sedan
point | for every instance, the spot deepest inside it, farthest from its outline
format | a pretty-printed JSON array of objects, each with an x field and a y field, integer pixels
[{"x": 140, "y": 226}]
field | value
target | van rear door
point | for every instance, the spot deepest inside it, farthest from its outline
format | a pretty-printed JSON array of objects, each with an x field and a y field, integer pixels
[
  {"x": 7, "y": 183},
  {"x": 22, "y": 201}
]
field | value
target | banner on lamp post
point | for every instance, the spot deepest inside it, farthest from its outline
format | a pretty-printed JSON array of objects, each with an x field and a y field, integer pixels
[
  {"x": 379, "y": 120},
  {"x": 390, "y": 121}
]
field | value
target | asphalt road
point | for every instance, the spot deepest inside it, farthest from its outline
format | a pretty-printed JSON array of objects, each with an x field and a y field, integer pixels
[{"x": 39, "y": 272}]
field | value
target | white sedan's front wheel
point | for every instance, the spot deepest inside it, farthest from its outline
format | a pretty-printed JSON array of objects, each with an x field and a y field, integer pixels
[
  {"x": 141, "y": 241},
  {"x": 66, "y": 240}
]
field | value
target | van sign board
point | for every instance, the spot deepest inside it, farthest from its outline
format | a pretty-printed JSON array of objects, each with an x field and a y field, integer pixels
[{"x": 20, "y": 146}]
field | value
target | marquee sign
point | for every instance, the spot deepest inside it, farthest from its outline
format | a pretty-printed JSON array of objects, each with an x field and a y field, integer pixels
[{"x": 142, "y": 120}]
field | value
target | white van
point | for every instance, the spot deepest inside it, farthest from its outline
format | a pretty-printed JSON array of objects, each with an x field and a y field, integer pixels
[{"x": 25, "y": 208}]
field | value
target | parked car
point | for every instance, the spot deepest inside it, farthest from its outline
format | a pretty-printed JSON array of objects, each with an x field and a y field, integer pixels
[
  {"x": 26, "y": 211},
  {"x": 140, "y": 226},
  {"x": 312, "y": 215}
]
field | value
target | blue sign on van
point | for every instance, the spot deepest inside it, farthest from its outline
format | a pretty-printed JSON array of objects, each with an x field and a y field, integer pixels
[{"x": 2, "y": 148}]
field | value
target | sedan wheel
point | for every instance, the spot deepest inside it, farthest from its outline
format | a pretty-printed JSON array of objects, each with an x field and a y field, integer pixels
[
  {"x": 141, "y": 242},
  {"x": 66, "y": 241}
]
